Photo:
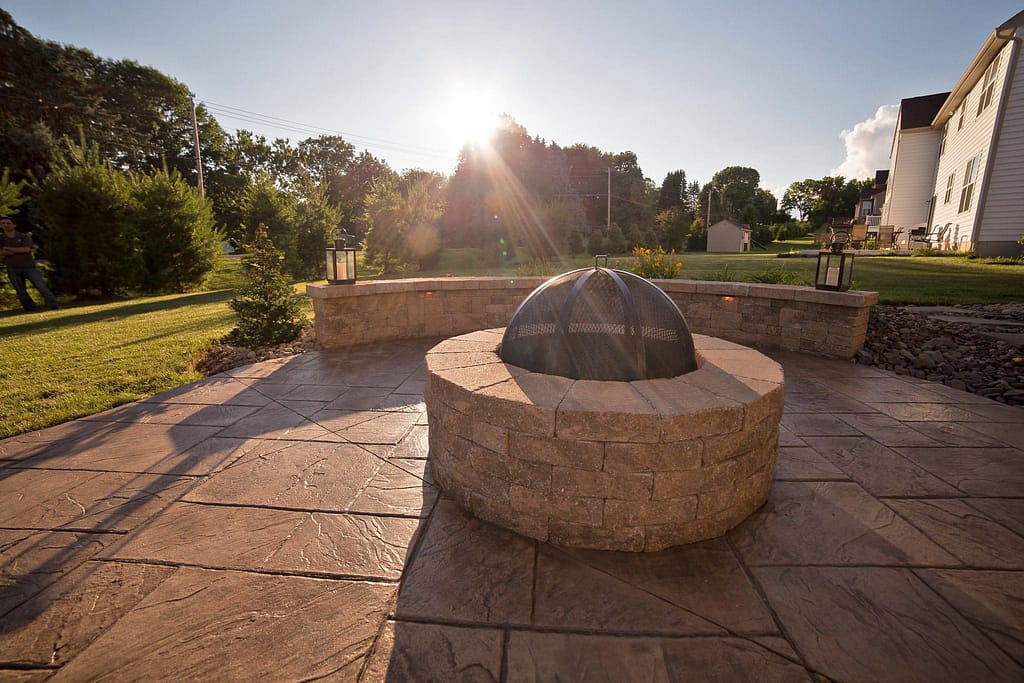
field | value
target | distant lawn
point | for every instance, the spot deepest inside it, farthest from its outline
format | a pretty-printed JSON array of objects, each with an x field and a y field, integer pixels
[
  {"x": 88, "y": 357},
  {"x": 897, "y": 279}
]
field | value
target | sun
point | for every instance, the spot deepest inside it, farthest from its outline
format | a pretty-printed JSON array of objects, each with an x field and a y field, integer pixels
[{"x": 470, "y": 115}]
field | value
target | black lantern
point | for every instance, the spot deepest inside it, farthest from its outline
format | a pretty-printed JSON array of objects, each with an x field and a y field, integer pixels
[
  {"x": 835, "y": 269},
  {"x": 341, "y": 262}
]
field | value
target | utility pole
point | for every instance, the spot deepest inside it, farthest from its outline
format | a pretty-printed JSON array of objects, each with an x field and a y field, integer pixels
[
  {"x": 609, "y": 226},
  {"x": 199, "y": 158},
  {"x": 711, "y": 190}
]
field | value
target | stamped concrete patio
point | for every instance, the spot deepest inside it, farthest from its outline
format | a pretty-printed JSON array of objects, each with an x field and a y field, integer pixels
[{"x": 279, "y": 522}]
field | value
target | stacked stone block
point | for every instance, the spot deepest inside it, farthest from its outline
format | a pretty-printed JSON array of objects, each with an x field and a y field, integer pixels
[{"x": 635, "y": 466}]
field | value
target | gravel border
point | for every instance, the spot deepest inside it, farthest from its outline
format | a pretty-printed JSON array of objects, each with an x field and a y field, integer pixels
[{"x": 958, "y": 354}]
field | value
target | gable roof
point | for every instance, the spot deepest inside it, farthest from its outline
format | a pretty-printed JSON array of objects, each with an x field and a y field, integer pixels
[
  {"x": 1003, "y": 34},
  {"x": 731, "y": 223},
  {"x": 919, "y": 112}
]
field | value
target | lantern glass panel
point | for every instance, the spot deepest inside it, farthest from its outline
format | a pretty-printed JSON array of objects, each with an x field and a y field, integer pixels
[{"x": 341, "y": 266}]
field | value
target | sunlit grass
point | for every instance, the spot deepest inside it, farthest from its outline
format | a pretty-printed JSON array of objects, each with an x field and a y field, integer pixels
[
  {"x": 897, "y": 279},
  {"x": 83, "y": 359}
]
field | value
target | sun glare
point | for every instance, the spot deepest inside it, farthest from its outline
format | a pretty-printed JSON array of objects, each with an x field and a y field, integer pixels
[{"x": 470, "y": 115}]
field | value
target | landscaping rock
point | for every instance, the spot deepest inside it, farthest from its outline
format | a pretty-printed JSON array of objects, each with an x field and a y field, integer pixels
[
  {"x": 954, "y": 346},
  {"x": 225, "y": 357}
]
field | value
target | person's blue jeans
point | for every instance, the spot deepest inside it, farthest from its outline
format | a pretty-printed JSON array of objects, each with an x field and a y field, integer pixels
[{"x": 17, "y": 276}]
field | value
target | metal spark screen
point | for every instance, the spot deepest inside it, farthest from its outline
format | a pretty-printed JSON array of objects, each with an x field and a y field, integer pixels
[{"x": 602, "y": 324}]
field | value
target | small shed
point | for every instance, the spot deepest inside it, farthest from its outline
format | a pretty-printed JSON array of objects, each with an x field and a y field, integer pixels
[{"x": 729, "y": 236}]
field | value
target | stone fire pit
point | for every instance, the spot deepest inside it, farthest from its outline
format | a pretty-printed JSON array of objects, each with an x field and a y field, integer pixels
[{"x": 638, "y": 466}]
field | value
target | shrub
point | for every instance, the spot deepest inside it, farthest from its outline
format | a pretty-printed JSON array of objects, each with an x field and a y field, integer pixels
[
  {"x": 574, "y": 242},
  {"x": 780, "y": 276},
  {"x": 656, "y": 264},
  {"x": 268, "y": 309},
  {"x": 85, "y": 208},
  {"x": 595, "y": 243},
  {"x": 762, "y": 235},
  {"x": 177, "y": 239},
  {"x": 616, "y": 242}
]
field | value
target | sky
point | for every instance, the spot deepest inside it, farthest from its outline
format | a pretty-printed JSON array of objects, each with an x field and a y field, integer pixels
[{"x": 793, "y": 88}]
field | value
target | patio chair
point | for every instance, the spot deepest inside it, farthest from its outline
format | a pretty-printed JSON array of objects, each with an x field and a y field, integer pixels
[
  {"x": 886, "y": 237},
  {"x": 935, "y": 237},
  {"x": 858, "y": 234}
]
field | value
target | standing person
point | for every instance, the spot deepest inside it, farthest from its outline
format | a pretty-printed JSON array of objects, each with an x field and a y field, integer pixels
[{"x": 16, "y": 248}]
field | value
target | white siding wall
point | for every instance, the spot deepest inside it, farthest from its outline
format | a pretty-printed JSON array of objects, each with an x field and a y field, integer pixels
[
  {"x": 1003, "y": 217},
  {"x": 911, "y": 178},
  {"x": 961, "y": 145}
]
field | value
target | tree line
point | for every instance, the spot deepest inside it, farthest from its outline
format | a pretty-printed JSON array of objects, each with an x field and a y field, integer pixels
[{"x": 100, "y": 147}]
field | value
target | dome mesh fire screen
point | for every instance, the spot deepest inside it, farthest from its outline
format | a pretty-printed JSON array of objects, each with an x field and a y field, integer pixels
[{"x": 602, "y": 324}]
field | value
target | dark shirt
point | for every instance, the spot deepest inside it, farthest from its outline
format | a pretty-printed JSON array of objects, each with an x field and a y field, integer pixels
[{"x": 20, "y": 239}]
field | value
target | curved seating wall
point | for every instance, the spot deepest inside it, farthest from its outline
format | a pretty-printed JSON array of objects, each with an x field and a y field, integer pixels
[{"x": 824, "y": 323}]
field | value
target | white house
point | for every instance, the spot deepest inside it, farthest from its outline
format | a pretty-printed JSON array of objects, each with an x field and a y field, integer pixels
[
  {"x": 729, "y": 236},
  {"x": 912, "y": 163},
  {"x": 964, "y": 168}
]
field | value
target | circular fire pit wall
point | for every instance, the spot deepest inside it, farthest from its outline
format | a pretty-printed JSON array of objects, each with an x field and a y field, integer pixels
[{"x": 603, "y": 423}]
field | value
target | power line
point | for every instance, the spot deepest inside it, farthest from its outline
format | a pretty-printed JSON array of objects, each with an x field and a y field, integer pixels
[{"x": 299, "y": 127}]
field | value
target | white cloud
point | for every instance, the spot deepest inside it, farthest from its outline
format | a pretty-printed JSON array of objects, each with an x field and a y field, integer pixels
[{"x": 868, "y": 144}]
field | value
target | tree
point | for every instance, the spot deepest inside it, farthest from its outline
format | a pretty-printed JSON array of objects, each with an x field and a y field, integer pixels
[
  {"x": 423, "y": 203},
  {"x": 177, "y": 240},
  {"x": 764, "y": 204},
  {"x": 616, "y": 242},
  {"x": 85, "y": 209},
  {"x": 350, "y": 191},
  {"x": 697, "y": 240},
  {"x": 385, "y": 238},
  {"x": 595, "y": 243},
  {"x": 268, "y": 309},
  {"x": 325, "y": 158},
  {"x": 316, "y": 221},
  {"x": 736, "y": 187},
  {"x": 800, "y": 196},
  {"x": 674, "y": 192},
  {"x": 818, "y": 200},
  {"x": 264, "y": 204},
  {"x": 574, "y": 243},
  {"x": 10, "y": 194},
  {"x": 672, "y": 225}
]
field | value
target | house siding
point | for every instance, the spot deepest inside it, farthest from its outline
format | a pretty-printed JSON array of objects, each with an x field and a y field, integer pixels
[
  {"x": 962, "y": 145},
  {"x": 1003, "y": 214},
  {"x": 911, "y": 178}
]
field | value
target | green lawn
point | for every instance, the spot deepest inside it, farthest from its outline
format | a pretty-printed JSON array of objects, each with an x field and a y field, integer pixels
[
  {"x": 85, "y": 358},
  {"x": 897, "y": 279}
]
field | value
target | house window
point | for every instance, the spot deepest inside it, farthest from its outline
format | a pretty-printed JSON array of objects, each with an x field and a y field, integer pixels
[
  {"x": 970, "y": 175},
  {"x": 949, "y": 189},
  {"x": 963, "y": 108},
  {"x": 988, "y": 86},
  {"x": 942, "y": 142}
]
